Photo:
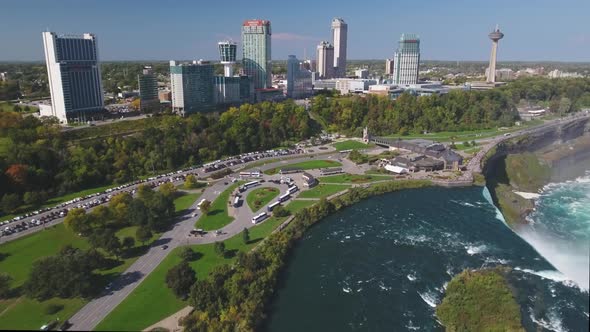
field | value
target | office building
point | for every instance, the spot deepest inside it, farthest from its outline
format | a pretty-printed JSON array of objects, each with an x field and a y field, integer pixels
[
  {"x": 256, "y": 45},
  {"x": 227, "y": 54},
  {"x": 406, "y": 60},
  {"x": 388, "y": 67},
  {"x": 339, "y": 38},
  {"x": 299, "y": 83},
  {"x": 232, "y": 90},
  {"x": 361, "y": 73},
  {"x": 192, "y": 86},
  {"x": 325, "y": 60},
  {"x": 495, "y": 36},
  {"x": 73, "y": 72},
  {"x": 148, "y": 91}
]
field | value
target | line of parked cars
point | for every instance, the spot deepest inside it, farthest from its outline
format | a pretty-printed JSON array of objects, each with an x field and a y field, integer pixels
[{"x": 46, "y": 215}]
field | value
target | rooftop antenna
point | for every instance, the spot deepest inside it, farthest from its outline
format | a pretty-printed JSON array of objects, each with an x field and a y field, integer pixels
[
  {"x": 497, "y": 27},
  {"x": 305, "y": 53}
]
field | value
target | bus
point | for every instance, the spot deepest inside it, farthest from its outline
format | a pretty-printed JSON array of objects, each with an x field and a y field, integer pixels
[
  {"x": 249, "y": 185},
  {"x": 292, "y": 190},
  {"x": 284, "y": 197},
  {"x": 237, "y": 201},
  {"x": 259, "y": 217},
  {"x": 199, "y": 205},
  {"x": 272, "y": 206},
  {"x": 250, "y": 174}
]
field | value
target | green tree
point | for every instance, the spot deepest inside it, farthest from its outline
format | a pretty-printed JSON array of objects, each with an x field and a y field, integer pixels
[
  {"x": 219, "y": 248},
  {"x": 246, "y": 236},
  {"x": 191, "y": 182},
  {"x": 205, "y": 207},
  {"x": 33, "y": 198},
  {"x": 143, "y": 234},
  {"x": 168, "y": 189},
  {"x": 128, "y": 242},
  {"x": 10, "y": 202},
  {"x": 180, "y": 278},
  {"x": 5, "y": 281},
  {"x": 187, "y": 254},
  {"x": 279, "y": 211},
  {"x": 77, "y": 221}
]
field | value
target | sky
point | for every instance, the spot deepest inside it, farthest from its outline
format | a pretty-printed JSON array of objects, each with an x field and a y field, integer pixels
[{"x": 535, "y": 30}]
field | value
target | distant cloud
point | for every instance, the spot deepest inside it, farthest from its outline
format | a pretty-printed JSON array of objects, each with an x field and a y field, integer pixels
[{"x": 288, "y": 36}]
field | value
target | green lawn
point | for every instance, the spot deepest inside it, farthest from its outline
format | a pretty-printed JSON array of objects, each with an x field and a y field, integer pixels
[
  {"x": 299, "y": 204},
  {"x": 185, "y": 201},
  {"x": 218, "y": 217},
  {"x": 4, "y": 141},
  {"x": 353, "y": 178},
  {"x": 258, "y": 198},
  {"x": 323, "y": 190},
  {"x": 6, "y": 106},
  {"x": 152, "y": 301},
  {"x": 311, "y": 164},
  {"x": 24, "y": 313},
  {"x": 350, "y": 145}
]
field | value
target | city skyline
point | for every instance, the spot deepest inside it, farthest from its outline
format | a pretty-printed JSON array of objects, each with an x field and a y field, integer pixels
[{"x": 150, "y": 36}]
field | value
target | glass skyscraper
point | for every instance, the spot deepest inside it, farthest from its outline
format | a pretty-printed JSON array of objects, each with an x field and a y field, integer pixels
[
  {"x": 192, "y": 86},
  {"x": 256, "y": 60},
  {"x": 74, "y": 76},
  {"x": 406, "y": 60},
  {"x": 148, "y": 90}
]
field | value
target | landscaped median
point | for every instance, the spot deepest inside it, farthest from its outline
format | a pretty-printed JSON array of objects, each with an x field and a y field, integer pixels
[
  {"x": 353, "y": 178},
  {"x": 258, "y": 198},
  {"x": 218, "y": 217},
  {"x": 351, "y": 145},
  {"x": 17, "y": 258},
  {"x": 305, "y": 165}
]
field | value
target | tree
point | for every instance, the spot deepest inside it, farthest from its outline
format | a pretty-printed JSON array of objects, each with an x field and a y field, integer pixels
[
  {"x": 136, "y": 104},
  {"x": 167, "y": 189},
  {"x": 33, "y": 198},
  {"x": 205, "y": 207},
  {"x": 279, "y": 211},
  {"x": 143, "y": 234},
  {"x": 128, "y": 242},
  {"x": 5, "y": 281},
  {"x": 10, "y": 202},
  {"x": 187, "y": 254},
  {"x": 219, "y": 248},
  {"x": 77, "y": 221},
  {"x": 180, "y": 278},
  {"x": 191, "y": 182},
  {"x": 565, "y": 105},
  {"x": 246, "y": 236}
]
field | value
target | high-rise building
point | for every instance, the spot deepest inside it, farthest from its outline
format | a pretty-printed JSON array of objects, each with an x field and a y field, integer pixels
[
  {"x": 74, "y": 76},
  {"x": 325, "y": 60},
  {"x": 192, "y": 86},
  {"x": 299, "y": 83},
  {"x": 148, "y": 90},
  {"x": 339, "y": 36},
  {"x": 361, "y": 73},
  {"x": 256, "y": 60},
  {"x": 227, "y": 54},
  {"x": 388, "y": 67},
  {"x": 406, "y": 60},
  {"x": 495, "y": 36}
]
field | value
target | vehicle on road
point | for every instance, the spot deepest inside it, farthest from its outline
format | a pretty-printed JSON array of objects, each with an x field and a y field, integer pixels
[
  {"x": 164, "y": 247},
  {"x": 259, "y": 218},
  {"x": 109, "y": 286}
]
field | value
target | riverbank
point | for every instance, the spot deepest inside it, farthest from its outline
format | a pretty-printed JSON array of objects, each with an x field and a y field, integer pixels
[{"x": 261, "y": 268}]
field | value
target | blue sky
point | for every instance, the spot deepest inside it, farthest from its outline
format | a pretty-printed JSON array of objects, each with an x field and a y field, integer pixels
[{"x": 170, "y": 29}]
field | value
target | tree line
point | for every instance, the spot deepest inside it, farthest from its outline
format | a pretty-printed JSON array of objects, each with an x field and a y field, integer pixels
[
  {"x": 39, "y": 159},
  {"x": 456, "y": 111}
]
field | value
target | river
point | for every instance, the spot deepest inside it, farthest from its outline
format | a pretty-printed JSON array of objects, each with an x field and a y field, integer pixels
[{"x": 383, "y": 265}]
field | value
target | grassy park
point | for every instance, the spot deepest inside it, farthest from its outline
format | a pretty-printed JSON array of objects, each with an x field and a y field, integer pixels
[
  {"x": 323, "y": 190},
  {"x": 258, "y": 198},
  {"x": 17, "y": 258},
  {"x": 311, "y": 164},
  {"x": 353, "y": 178},
  {"x": 136, "y": 312},
  {"x": 351, "y": 145},
  {"x": 217, "y": 216}
]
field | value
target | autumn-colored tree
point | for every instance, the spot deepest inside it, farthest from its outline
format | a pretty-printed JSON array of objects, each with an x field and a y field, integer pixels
[{"x": 17, "y": 173}]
